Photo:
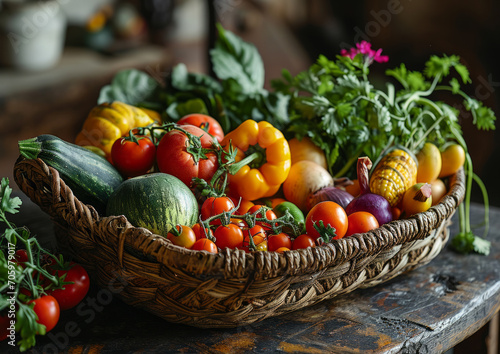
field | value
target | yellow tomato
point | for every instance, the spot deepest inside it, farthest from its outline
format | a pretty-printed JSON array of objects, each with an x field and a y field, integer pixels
[
  {"x": 417, "y": 199},
  {"x": 453, "y": 158},
  {"x": 429, "y": 163},
  {"x": 305, "y": 149}
]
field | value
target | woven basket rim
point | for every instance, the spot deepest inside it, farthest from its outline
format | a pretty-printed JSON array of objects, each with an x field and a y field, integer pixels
[{"x": 237, "y": 263}]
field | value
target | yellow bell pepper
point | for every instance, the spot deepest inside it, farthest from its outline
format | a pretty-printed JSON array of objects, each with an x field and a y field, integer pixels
[
  {"x": 108, "y": 122},
  {"x": 267, "y": 159}
]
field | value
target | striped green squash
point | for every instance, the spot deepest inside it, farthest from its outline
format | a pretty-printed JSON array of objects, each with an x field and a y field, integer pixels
[{"x": 155, "y": 201}]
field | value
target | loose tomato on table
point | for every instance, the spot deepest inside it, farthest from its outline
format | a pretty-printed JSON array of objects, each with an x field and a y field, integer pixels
[
  {"x": 48, "y": 311},
  {"x": 229, "y": 236},
  {"x": 4, "y": 324},
  {"x": 72, "y": 294},
  {"x": 360, "y": 222},
  {"x": 133, "y": 157},
  {"x": 207, "y": 123},
  {"x": 182, "y": 155},
  {"x": 329, "y": 217}
]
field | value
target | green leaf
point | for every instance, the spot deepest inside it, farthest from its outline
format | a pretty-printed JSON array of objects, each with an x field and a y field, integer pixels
[
  {"x": 233, "y": 58},
  {"x": 8, "y": 204},
  {"x": 129, "y": 86},
  {"x": 183, "y": 80},
  {"x": 481, "y": 246}
]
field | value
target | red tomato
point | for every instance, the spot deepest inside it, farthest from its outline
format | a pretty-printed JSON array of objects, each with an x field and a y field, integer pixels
[
  {"x": 207, "y": 123},
  {"x": 200, "y": 233},
  {"x": 133, "y": 158},
  {"x": 173, "y": 156},
  {"x": 204, "y": 244},
  {"x": 183, "y": 236},
  {"x": 229, "y": 236},
  {"x": 303, "y": 241},
  {"x": 274, "y": 242},
  {"x": 331, "y": 214},
  {"x": 4, "y": 324},
  {"x": 270, "y": 215},
  {"x": 258, "y": 235},
  {"x": 71, "y": 294},
  {"x": 360, "y": 222},
  {"x": 48, "y": 311},
  {"x": 215, "y": 206}
]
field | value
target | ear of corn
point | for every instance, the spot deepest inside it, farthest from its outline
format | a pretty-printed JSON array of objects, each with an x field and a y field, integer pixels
[{"x": 393, "y": 175}]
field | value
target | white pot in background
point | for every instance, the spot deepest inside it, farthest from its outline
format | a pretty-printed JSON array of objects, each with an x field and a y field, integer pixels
[{"x": 31, "y": 34}]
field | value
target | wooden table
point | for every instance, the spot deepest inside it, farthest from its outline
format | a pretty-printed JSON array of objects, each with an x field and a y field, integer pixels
[{"x": 428, "y": 310}]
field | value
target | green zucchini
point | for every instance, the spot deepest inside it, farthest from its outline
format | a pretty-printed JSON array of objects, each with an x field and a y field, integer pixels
[{"x": 90, "y": 176}]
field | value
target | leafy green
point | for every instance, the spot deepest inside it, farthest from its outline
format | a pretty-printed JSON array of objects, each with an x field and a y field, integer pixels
[{"x": 130, "y": 86}]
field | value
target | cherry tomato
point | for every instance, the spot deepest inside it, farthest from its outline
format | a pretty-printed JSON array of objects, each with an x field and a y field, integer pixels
[
  {"x": 215, "y": 206},
  {"x": 360, "y": 222},
  {"x": 207, "y": 123},
  {"x": 229, "y": 236},
  {"x": 453, "y": 157},
  {"x": 21, "y": 257},
  {"x": 331, "y": 215},
  {"x": 257, "y": 233},
  {"x": 262, "y": 247},
  {"x": 204, "y": 244},
  {"x": 200, "y": 233},
  {"x": 133, "y": 158},
  {"x": 274, "y": 242},
  {"x": 303, "y": 241},
  {"x": 270, "y": 215},
  {"x": 282, "y": 249},
  {"x": 71, "y": 294},
  {"x": 173, "y": 157},
  {"x": 48, "y": 311},
  {"x": 182, "y": 235},
  {"x": 4, "y": 324}
]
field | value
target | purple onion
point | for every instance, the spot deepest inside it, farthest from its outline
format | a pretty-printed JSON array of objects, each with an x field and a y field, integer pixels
[
  {"x": 367, "y": 201},
  {"x": 330, "y": 193}
]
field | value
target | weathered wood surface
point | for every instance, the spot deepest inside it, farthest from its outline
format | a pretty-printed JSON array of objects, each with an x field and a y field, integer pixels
[{"x": 426, "y": 311}]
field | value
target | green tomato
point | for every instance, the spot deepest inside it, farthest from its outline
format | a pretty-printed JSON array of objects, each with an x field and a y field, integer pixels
[{"x": 294, "y": 210}]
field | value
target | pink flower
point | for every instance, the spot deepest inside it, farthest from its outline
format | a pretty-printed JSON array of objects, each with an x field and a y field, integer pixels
[{"x": 365, "y": 48}]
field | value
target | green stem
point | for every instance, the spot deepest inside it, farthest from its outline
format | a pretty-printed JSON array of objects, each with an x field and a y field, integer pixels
[
  {"x": 470, "y": 174},
  {"x": 351, "y": 161},
  {"x": 486, "y": 222},
  {"x": 235, "y": 167}
]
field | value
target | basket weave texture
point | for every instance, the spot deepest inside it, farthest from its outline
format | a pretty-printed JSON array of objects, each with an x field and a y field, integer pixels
[{"x": 231, "y": 288}]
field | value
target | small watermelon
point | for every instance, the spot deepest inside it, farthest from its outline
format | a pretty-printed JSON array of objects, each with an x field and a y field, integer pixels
[{"x": 155, "y": 201}]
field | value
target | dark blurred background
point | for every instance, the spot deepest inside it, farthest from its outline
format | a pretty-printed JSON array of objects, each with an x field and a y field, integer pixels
[{"x": 73, "y": 48}]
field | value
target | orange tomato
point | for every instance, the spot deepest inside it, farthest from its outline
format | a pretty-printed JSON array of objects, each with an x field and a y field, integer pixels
[
  {"x": 360, "y": 222},
  {"x": 453, "y": 158}
]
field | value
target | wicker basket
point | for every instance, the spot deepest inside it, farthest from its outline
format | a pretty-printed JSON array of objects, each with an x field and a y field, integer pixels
[{"x": 231, "y": 288}]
